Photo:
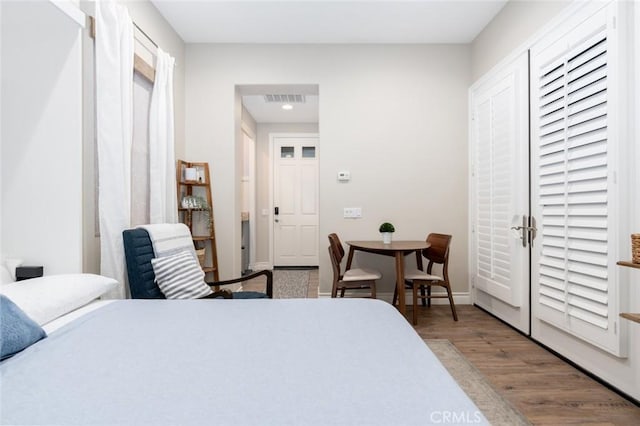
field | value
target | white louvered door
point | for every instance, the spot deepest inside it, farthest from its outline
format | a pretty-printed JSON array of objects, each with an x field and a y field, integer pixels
[
  {"x": 573, "y": 183},
  {"x": 500, "y": 193}
]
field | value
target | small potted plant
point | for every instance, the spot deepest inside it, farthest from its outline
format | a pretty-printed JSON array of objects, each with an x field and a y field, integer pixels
[{"x": 386, "y": 229}]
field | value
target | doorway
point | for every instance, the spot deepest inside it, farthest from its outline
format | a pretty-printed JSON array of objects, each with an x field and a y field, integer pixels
[{"x": 286, "y": 111}]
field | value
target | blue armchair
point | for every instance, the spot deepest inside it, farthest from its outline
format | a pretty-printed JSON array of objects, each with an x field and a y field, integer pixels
[{"x": 138, "y": 251}]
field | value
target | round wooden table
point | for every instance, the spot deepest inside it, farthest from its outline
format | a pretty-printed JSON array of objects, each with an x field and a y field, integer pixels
[{"x": 397, "y": 249}]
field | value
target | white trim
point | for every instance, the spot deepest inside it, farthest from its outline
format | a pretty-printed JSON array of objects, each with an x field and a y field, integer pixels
[
  {"x": 252, "y": 191},
  {"x": 272, "y": 136},
  {"x": 459, "y": 298},
  {"x": 248, "y": 130},
  {"x": 71, "y": 10}
]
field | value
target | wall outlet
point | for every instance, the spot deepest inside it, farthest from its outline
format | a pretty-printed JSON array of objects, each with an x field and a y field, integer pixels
[{"x": 352, "y": 212}]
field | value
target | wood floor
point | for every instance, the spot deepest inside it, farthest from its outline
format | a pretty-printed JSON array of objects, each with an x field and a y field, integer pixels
[{"x": 544, "y": 388}]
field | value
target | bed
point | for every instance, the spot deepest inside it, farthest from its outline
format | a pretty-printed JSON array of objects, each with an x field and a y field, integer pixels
[{"x": 231, "y": 362}]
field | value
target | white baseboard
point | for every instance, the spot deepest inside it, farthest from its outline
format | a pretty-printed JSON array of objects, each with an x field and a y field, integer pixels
[{"x": 460, "y": 298}]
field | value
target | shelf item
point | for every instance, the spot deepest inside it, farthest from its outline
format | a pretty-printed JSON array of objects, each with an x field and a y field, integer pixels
[
  {"x": 195, "y": 209},
  {"x": 635, "y": 248}
]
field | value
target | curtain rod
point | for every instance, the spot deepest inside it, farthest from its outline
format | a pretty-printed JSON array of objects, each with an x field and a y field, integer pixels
[{"x": 145, "y": 34}]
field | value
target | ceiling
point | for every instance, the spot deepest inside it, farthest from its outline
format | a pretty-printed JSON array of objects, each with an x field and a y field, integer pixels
[
  {"x": 272, "y": 112},
  {"x": 328, "y": 21}
]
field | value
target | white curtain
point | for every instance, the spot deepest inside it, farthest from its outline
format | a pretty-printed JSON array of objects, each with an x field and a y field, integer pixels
[
  {"x": 114, "y": 92},
  {"x": 163, "y": 204}
]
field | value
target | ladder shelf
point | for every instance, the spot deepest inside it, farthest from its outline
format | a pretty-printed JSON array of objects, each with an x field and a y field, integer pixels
[{"x": 195, "y": 209}]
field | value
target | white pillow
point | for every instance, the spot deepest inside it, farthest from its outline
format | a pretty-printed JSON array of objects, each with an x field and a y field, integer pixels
[
  {"x": 5, "y": 276},
  {"x": 47, "y": 298},
  {"x": 11, "y": 265},
  {"x": 180, "y": 276}
]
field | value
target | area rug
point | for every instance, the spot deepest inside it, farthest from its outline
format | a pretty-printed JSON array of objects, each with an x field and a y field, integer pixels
[
  {"x": 495, "y": 408},
  {"x": 290, "y": 284}
]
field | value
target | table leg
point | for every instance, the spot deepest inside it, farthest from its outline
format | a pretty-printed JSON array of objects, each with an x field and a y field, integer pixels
[{"x": 400, "y": 282}]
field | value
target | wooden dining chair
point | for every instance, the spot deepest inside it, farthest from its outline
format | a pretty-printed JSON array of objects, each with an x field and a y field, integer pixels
[
  {"x": 437, "y": 253},
  {"x": 353, "y": 279}
]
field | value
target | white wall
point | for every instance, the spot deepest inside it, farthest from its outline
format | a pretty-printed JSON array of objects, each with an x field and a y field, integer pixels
[
  {"x": 392, "y": 115},
  {"x": 2, "y": 256},
  {"x": 41, "y": 136},
  {"x": 516, "y": 22}
]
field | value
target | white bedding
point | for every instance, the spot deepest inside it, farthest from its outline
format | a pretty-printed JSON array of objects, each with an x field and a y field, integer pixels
[
  {"x": 233, "y": 362},
  {"x": 66, "y": 319}
]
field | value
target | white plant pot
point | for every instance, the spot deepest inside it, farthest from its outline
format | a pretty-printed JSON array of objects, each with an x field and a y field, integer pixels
[{"x": 386, "y": 237}]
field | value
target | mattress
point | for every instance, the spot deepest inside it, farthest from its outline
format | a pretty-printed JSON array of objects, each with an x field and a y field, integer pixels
[{"x": 233, "y": 362}]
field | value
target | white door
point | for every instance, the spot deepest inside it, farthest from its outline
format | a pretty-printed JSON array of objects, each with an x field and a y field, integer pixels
[
  {"x": 574, "y": 119},
  {"x": 295, "y": 201},
  {"x": 500, "y": 194}
]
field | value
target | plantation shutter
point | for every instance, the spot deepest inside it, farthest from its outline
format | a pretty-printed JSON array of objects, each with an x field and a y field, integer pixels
[
  {"x": 500, "y": 184},
  {"x": 573, "y": 277}
]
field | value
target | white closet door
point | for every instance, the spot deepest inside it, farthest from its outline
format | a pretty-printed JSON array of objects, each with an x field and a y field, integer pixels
[
  {"x": 500, "y": 193},
  {"x": 573, "y": 182}
]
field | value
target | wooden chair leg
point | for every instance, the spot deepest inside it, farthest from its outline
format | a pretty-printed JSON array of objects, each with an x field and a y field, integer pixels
[
  {"x": 424, "y": 299},
  {"x": 334, "y": 291},
  {"x": 415, "y": 303},
  {"x": 453, "y": 306},
  {"x": 342, "y": 291},
  {"x": 395, "y": 295},
  {"x": 373, "y": 289},
  {"x": 429, "y": 295}
]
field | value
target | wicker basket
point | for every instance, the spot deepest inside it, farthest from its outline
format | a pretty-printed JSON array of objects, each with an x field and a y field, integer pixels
[
  {"x": 200, "y": 254},
  {"x": 635, "y": 248}
]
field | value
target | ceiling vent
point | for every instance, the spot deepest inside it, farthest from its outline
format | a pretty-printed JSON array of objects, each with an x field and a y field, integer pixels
[{"x": 289, "y": 99}]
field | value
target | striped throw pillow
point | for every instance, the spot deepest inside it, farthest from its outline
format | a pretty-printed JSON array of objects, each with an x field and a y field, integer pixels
[{"x": 180, "y": 276}]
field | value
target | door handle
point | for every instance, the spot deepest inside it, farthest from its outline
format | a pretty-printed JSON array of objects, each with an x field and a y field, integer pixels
[
  {"x": 528, "y": 229},
  {"x": 522, "y": 228}
]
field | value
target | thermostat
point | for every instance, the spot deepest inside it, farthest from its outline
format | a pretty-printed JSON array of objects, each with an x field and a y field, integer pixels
[{"x": 344, "y": 176}]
